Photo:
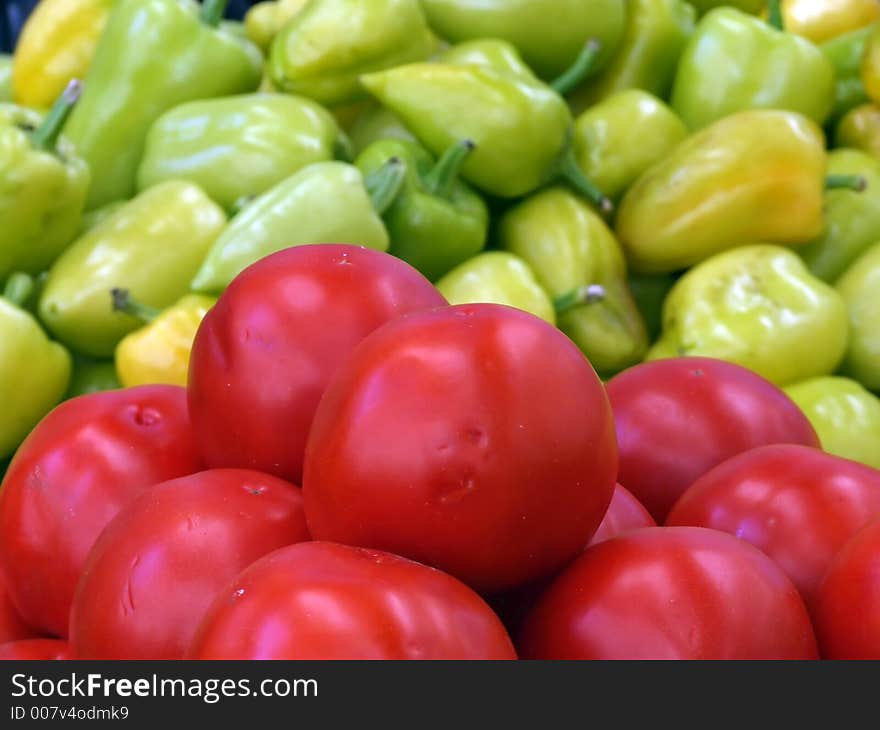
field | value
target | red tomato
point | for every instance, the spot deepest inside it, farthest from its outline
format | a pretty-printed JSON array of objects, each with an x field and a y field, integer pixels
[
  {"x": 475, "y": 438},
  {"x": 156, "y": 568},
  {"x": 847, "y": 609},
  {"x": 81, "y": 464},
  {"x": 35, "y": 650},
  {"x": 670, "y": 593},
  {"x": 325, "y": 601},
  {"x": 678, "y": 418},
  {"x": 798, "y": 505},
  {"x": 625, "y": 513},
  {"x": 263, "y": 355},
  {"x": 12, "y": 627}
]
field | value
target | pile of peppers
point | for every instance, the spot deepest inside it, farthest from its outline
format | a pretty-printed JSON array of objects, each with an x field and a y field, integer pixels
[{"x": 656, "y": 178}]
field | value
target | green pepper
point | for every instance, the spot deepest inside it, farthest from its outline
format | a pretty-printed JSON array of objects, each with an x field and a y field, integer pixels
[
  {"x": 329, "y": 44},
  {"x": 152, "y": 246},
  {"x": 34, "y": 371},
  {"x": 753, "y": 176},
  {"x": 655, "y": 35},
  {"x": 845, "y": 415},
  {"x": 324, "y": 202},
  {"x": 747, "y": 6},
  {"x": 436, "y": 222},
  {"x": 375, "y": 123},
  {"x": 152, "y": 56},
  {"x": 859, "y": 287},
  {"x": 497, "y": 277},
  {"x": 549, "y": 35},
  {"x": 852, "y": 222},
  {"x": 92, "y": 376},
  {"x": 859, "y": 129},
  {"x": 43, "y": 186},
  {"x": 576, "y": 258},
  {"x": 622, "y": 136},
  {"x": 92, "y": 218},
  {"x": 845, "y": 54},
  {"x": 483, "y": 91},
  {"x": 238, "y": 147},
  {"x": 5, "y": 77},
  {"x": 736, "y": 61},
  {"x": 757, "y": 306}
]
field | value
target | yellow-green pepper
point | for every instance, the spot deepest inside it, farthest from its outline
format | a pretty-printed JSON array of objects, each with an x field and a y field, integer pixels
[
  {"x": 859, "y": 129},
  {"x": 845, "y": 54},
  {"x": 860, "y": 289},
  {"x": 375, "y": 123},
  {"x": 263, "y": 21},
  {"x": 825, "y": 19}
]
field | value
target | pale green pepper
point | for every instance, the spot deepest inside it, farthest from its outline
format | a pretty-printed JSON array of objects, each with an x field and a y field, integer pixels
[{"x": 860, "y": 288}]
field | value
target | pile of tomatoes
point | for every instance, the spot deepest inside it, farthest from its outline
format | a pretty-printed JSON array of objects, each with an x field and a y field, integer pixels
[{"x": 470, "y": 489}]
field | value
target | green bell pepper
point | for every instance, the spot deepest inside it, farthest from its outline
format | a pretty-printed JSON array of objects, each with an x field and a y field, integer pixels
[
  {"x": 92, "y": 376},
  {"x": 655, "y": 35},
  {"x": 845, "y": 415},
  {"x": 859, "y": 287},
  {"x": 859, "y": 129},
  {"x": 437, "y": 221},
  {"x": 577, "y": 260},
  {"x": 43, "y": 186},
  {"x": 757, "y": 306},
  {"x": 747, "y": 6},
  {"x": 152, "y": 246},
  {"x": 92, "y": 218},
  {"x": 152, "y": 56},
  {"x": 324, "y": 202},
  {"x": 375, "y": 123},
  {"x": 845, "y": 54},
  {"x": 238, "y": 147},
  {"x": 329, "y": 44},
  {"x": 736, "y": 61},
  {"x": 34, "y": 371},
  {"x": 622, "y": 136},
  {"x": 5, "y": 77},
  {"x": 549, "y": 35}
]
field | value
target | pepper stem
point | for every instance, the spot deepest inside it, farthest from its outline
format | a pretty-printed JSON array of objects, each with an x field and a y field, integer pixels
[
  {"x": 570, "y": 172},
  {"x": 857, "y": 183},
  {"x": 212, "y": 12},
  {"x": 122, "y": 302},
  {"x": 582, "y": 67},
  {"x": 774, "y": 14},
  {"x": 45, "y": 137},
  {"x": 589, "y": 294},
  {"x": 441, "y": 179},
  {"x": 18, "y": 288},
  {"x": 384, "y": 185}
]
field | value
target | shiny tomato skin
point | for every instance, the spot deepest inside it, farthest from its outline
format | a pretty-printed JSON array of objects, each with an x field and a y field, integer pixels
[
  {"x": 158, "y": 565},
  {"x": 678, "y": 418},
  {"x": 847, "y": 609},
  {"x": 327, "y": 601},
  {"x": 475, "y": 438},
  {"x": 798, "y": 505},
  {"x": 264, "y": 353},
  {"x": 625, "y": 513},
  {"x": 12, "y": 626},
  {"x": 79, "y": 466},
  {"x": 35, "y": 650},
  {"x": 670, "y": 593}
]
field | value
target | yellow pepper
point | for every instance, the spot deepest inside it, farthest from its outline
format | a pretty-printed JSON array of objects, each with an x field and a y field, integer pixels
[
  {"x": 263, "y": 21},
  {"x": 825, "y": 19},
  {"x": 56, "y": 45},
  {"x": 159, "y": 351}
]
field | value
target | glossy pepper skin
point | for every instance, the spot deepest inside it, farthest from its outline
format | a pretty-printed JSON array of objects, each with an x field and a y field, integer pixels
[
  {"x": 324, "y": 202},
  {"x": 239, "y": 146},
  {"x": 43, "y": 186},
  {"x": 497, "y": 277},
  {"x": 56, "y": 45},
  {"x": 436, "y": 221},
  {"x": 859, "y": 287},
  {"x": 871, "y": 65},
  {"x": 263, "y": 21},
  {"x": 619, "y": 138},
  {"x": 736, "y": 61},
  {"x": 329, "y": 44},
  {"x": 845, "y": 54},
  {"x": 34, "y": 371},
  {"x": 753, "y": 176},
  {"x": 747, "y": 6},
  {"x": 852, "y": 221},
  {"x": 757, "y": 306},
  {"x": 859, "y": 129},
  {"x": 151, "y": 246},
  {"x": 580, "y": 264},
  {"x": 5, "y": 78},
  {"x": 153, "y": 55},
  {"x": 821, "y": 21},
  {"x": 655, "y": 34},
  {"x": 375, "y": 123},
  {"x": 549, "y": 35},
  {"x": 91, "y": 376},
  {"x": 844, "y": 414}
]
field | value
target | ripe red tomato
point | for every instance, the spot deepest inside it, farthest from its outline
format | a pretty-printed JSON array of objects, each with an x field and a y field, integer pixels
[
  {"x": 12, "y": 626},
  {"x": 326, "y": 601},
  {"x": 35, "y": 650},
  {"x": 625, "y": 513},
  {"x": 670, "y": 593},
  {"x": 798, "y": 505},
  {"x": 81, "y": 464},
  {"x": 847, "y": 608},
  {"x": 678, "y": 418},
  {"x": 263, "y": 355},
  {"x": 474, "y": 438},
  {"x": 156, "y": 568}
]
